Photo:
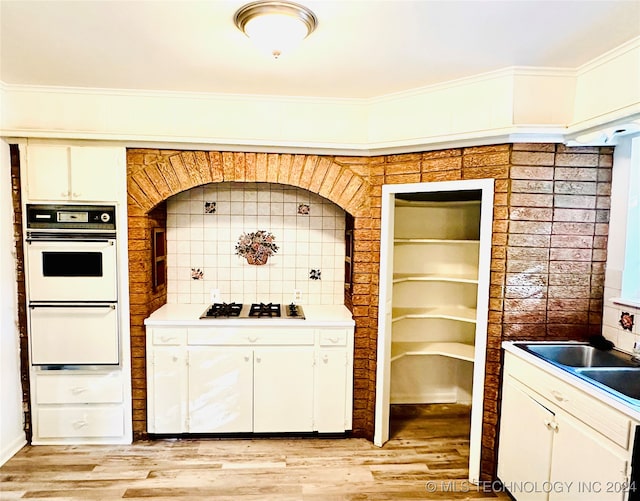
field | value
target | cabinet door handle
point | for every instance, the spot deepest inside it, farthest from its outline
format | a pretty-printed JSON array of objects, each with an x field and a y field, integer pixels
[
  {"x": 558, "y": 396},
  {"x": 552, "y": 425},
  {"x": 65, "y": 194},
  {"x": 325, "y": 359},
  {"x": 76, "y": 195},
  {"x": 252, "y": 339},
  {"x": 246, "y": 358},
  {"x": 258, "y": 359}
]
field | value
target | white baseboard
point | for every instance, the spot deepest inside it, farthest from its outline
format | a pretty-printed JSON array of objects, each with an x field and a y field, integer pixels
[{"x": 10, "y": 450}]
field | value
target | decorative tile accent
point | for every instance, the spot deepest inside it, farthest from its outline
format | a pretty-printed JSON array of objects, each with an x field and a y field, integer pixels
[
  {"x": 626, "y": 321},
  {"x": 304, "y": 209},
  {"x": 210, "y": 207},
  {"x": 314, "y": 274},
  {"x": 256, "y": 247},
  {"x": 197, "y": 274}
]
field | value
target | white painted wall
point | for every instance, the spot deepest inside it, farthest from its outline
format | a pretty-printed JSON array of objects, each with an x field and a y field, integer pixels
[
  {"x": 620, "y": 185},
  {"x": 12, "y": 436}
]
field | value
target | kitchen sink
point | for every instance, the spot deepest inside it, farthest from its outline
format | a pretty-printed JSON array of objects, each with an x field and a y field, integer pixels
[
  {"x": 613, "y": 371},
  {"x": 620, "y": 380},
  {"x": 580, "y": 355}
]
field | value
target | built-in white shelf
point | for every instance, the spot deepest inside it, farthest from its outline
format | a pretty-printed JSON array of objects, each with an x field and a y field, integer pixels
[
  {"x": 433, "y": 241},
  {"x": 433, "y": 277},
  {"x": 459, "y": 313},
  {"x": 459, "y": 351}
]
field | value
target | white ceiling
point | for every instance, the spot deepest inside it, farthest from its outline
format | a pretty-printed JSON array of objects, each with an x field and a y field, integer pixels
[{"x": 361, "y": 48}]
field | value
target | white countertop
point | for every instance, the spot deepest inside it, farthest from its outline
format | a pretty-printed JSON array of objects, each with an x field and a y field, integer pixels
[
  {"x": 189, "y": 315},
  {"x": 620, "y": 404}
]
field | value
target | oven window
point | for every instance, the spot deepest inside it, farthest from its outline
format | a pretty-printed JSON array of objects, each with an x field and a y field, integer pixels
[{"x": 72, "y": 264}]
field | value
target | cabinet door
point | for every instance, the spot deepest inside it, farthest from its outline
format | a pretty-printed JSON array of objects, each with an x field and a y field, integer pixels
[
  {"x": 220, "y": 390},
  {"x": 586, "y": 464},
  {"x": 167, "y": 390},
  {"x": 524, "y": 450},
  {"x": 330, "y": 391},
  {"x": 96, "y": 173},
  {"x": 283, "y": 389},
  {"x": 47, "y": 170}
]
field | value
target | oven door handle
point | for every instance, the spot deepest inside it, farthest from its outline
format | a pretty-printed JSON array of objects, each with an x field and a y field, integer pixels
[
  {"x": 68, "y": 240},
  {"x": 111, "y": 306}
]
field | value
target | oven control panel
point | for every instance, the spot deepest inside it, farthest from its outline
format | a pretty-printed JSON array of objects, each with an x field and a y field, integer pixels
[{"x": 76, "y": 217}]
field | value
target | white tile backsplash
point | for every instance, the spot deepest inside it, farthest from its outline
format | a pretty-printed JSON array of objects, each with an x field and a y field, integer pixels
[{"x": 207, "y": 242}]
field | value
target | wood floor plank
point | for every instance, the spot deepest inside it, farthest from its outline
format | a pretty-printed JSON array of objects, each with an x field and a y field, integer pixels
[{"x": 425, "y": 459}]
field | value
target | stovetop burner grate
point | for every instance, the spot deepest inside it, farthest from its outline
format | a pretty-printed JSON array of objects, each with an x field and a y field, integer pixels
[
  {"x": 265, "y": 310},
  {"x": 224, "y": 310}
]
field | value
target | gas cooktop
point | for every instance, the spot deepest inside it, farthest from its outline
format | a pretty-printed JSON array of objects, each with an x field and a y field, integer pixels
[{"x": 224, "y": 311}]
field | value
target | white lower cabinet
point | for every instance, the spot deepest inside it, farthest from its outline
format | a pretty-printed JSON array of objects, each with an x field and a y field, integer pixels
[
  {"x": 526, "y": 440},
  {"x": 554, "y": 444},
  {"x": 78, "y": 407},
  {"x": 220, "y": 384},
  {"x": 218, "y": 381},
  {"x": 283, "y": 389},
  {"x": 167, "y": 389}
]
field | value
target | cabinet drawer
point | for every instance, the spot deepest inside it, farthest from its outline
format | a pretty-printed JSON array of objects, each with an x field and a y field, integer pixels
[
  {"x": 259, "y": 336},
  {"x": 86, "y": 421},
  {"x": 336, "y": 337},
  {"x": 169, "y": 336},
  {"x": 602, "y": 418},
  {"x": 79, "y": 388}
]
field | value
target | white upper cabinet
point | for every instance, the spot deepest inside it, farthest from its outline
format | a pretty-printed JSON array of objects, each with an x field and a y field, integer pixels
[{"x": 74, "y": 173}]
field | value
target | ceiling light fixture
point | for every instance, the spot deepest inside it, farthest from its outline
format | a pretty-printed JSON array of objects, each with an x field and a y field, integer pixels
[{"x": 275, "y": 26}]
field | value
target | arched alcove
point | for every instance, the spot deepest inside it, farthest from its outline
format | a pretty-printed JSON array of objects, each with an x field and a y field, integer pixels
[{"x": 155, "y": 175}]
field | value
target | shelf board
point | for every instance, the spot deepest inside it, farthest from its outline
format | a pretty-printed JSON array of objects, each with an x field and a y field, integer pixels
[
  {"x": 459, "y": 313},
  {"x": 459, "y": 351},
  {"x": 399, "y": 202},
  {"x": 433, "y": 241},
  {"x": 432, "y": 277}
]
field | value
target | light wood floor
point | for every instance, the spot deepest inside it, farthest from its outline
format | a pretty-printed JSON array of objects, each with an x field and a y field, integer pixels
[{"x": 426, "y": 458}]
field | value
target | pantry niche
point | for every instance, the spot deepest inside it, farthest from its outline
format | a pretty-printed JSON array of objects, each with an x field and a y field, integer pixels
[{"x": 434, "y": 287}]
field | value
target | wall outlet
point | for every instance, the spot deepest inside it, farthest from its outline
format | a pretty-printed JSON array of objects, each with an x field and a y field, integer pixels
[
  {"x": 297, "y": 295},
  {"x": 214, "y": 295}
]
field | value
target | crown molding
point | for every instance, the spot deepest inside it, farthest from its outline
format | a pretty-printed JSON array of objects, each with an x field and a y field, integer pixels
[{"x": 609, "y": 56}]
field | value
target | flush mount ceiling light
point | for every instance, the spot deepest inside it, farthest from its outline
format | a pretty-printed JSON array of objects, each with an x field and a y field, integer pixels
[{"x": 275, "y": 26}]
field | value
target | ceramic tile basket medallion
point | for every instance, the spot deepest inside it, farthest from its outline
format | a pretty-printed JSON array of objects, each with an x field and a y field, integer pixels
[{"x": 256, "y": 247}]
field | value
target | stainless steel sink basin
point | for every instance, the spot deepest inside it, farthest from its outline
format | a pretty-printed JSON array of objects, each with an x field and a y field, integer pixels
[
  {"x": 613, "y": 371},
  {"x": 624, "y": 381},
  {"x": 580, "y": 355}
]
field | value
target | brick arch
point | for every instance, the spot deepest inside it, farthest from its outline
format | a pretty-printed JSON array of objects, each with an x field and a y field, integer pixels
[{"x": 173, "y": 172}]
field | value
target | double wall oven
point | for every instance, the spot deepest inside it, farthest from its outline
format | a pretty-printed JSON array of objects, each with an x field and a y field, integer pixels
[{"x": 72, "y": 285}]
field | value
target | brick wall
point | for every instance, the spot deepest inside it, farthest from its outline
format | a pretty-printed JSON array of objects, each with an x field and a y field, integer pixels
[
  {"x": 22, "y": 295},
  {"x": 549, "y": 237}
]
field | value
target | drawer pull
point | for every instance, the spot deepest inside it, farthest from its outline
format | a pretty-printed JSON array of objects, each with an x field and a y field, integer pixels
[
  {"x": 558, "y": 396},
  {"x": 77, "y": 390},
  {"x": 334, "y": 340},
  {"x": 166, "y": 339},
  {"x": 252, "y": 339},
  {"x": 80, "y": 423}
]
